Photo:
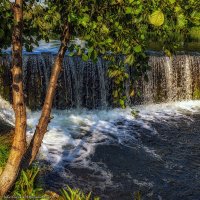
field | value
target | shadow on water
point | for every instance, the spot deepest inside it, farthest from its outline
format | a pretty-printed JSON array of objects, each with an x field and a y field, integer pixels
[
  {"x": 162, "y": 166},
  {"x": 4, "y": 127}
]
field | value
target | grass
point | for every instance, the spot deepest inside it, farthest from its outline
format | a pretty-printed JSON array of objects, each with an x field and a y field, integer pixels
[
  {"x": 27, "y": 187},
  {"x": 5, "y": 144},
  {"x": 75, "y": 194}
]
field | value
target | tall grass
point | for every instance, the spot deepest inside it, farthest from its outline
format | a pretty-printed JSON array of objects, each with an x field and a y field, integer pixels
[{"x": 5, "y": 144}]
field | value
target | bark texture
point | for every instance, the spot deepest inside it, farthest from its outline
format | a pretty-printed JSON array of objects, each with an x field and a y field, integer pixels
[
  {"x": 45, "y": 118},
  {"x": 10, "y": 173}
]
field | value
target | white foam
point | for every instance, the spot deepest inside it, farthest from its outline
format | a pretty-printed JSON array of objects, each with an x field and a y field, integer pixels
[
  {"x": 6, "y": 111},
  {"x": 74, "y": 134}
]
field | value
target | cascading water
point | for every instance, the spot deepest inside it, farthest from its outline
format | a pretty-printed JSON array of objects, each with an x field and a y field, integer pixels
[
  {"x": 153, "y": 148},
  {"x": 86, "y": 84}
]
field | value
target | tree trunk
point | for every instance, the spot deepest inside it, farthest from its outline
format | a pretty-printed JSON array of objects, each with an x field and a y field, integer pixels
[
  {"x": 12, "y": 167},
  {"x": 41, "y": 128}
]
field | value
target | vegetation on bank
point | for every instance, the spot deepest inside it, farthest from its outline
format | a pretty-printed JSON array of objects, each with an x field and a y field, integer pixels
[
  {"x": 5, "y": 144},
  {"x": 27, "y": 185}
]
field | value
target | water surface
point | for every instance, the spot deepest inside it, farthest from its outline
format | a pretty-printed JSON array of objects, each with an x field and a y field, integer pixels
[{"x": 115, "y": 153}]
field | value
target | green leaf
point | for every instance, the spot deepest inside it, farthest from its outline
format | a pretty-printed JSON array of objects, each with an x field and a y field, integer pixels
[
  {"x": 109, "y": 40},
  {"x": 128, "y": 10},
  {"x": 71, "y": 54},
  {"x": 142, "y": 37},
  {"x": 25, "y": 177},
  {"x": 105, "y": 29},
  {"x": 130, "y": 59},
  {"x": 157, "y": 18},
  {"x": 177, "y": 9},
  {"x": 1, "y": 33},
  {"x": 85, "y": 57},
  {"x": 181, "y": 20},
  {"x": 122, "y": 103},
  {"x": 196, "y": 18},
  {"x": 99, "y": 18},
  {"x": 137, "y": 48},
  {"x": 94, "y": 55},
  {"x": 132, "y": 93},
  {"x": 195, "y": 33},
  {"x": 65, "y": 194},
  {"x": 167, "y": 52},
  {"x": 172, "y": 1}
]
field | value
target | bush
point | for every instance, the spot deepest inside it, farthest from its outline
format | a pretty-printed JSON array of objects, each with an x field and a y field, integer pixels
[{"x": 25, "y": 187}]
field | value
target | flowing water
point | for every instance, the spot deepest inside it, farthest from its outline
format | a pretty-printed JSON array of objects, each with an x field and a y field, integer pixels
[
  {"x": 86, "y": 84},
  {"x": 152, "y": 148}
]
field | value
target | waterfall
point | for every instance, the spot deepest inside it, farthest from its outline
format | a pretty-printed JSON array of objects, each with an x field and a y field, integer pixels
[
  {"x": 107, "y": 150},
  {"x": 86, "y": 84},
  {"x": 172, "y": 79}
]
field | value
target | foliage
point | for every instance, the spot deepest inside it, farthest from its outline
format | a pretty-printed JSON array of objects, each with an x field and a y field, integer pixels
[
  {"x": 157, "y": 18},
  {"x": 124, "y": 28},
  {"x": 119, "y": 26},
  {"x": 75, "y": 194},
  {"x": 5, "y": 144},
  {"x": 26, "y": 188},
  {"x": 3, "y": 155},
  {"x": 6, "y": 24},
  {"x": 26, "y": 184},
  {"x": 180, "y": 18},
  {"x": 31, "y": 26}
]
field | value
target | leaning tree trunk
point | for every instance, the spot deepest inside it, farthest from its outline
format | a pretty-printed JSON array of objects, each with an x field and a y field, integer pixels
[
  {"x": 11, "y": 169},
  {"x": 41, "y": 128}
]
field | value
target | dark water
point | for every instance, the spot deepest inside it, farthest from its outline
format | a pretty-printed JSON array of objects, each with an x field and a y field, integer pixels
[
  {"x": 4, "y": 127},
  {"x": 172, "y": 174}
]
